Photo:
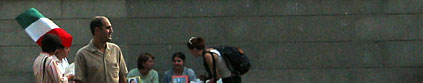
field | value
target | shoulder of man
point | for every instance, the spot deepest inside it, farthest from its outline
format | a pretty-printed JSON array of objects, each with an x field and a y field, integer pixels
[
  {"x": 113, "y": 45},
  {"x": 82, "y": 50}
]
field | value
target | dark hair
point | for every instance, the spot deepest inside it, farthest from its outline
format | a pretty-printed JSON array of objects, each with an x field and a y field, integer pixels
[
  {"x": 180, "y": 55},
  {"x": 97, "y": 21},
  {"x": 196, "y": 43},
  {"x": 50, "y": 43},
  {"x": 142, "y": 58}
]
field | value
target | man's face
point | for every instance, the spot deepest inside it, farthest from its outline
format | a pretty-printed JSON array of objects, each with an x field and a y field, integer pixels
[
  {"x": 178, "y": 63},
  {"x": 105, "y": 32},
  {"x": 149, "y": 64}
]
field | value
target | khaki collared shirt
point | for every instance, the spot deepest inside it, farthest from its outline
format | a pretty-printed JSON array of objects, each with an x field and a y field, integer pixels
[{"x": 93, "y": 66}]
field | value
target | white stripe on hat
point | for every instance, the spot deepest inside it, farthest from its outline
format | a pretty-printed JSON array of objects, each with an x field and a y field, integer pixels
[{"x": 39, "y": 28}]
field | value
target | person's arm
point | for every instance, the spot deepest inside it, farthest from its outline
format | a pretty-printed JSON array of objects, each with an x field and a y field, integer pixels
[
  {"x": 122, "y": 79},
  {"x": 156, "y": 77},
  {"x": 191, "y": 75},
  {"x": 54, "y": 73},
  {"x": 80, "y": 68},
  {"x": 209, "y": 61},
  {"x": 123, "y": 71}
]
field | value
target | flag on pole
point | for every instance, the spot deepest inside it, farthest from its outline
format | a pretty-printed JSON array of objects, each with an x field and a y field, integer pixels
[{"x": 36, "y": 26}]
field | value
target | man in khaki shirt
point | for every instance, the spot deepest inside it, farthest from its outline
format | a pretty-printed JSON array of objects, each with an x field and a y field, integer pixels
[{"x": 100, "y": 61}]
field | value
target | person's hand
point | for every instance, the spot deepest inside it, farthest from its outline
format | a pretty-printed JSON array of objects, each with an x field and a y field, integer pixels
[{"x": 70, "y": 76}]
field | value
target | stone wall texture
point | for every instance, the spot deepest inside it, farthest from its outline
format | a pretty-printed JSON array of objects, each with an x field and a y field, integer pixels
[{"x": 287, "y": 41}]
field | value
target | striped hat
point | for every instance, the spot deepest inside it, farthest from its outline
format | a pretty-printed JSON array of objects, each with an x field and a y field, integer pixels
[{"x": 36, "y": 25}]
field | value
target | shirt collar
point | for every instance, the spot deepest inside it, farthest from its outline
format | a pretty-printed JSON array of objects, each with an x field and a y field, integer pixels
[{"x": 92, "y": 48}]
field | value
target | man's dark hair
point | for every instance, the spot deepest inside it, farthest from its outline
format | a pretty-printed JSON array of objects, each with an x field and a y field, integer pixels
[
  {"x": 50, "y": 43},
  {"x": 96, "y": 22},
  {"x": 180, "y": 55},
  {"x": 142, "y": 58}
]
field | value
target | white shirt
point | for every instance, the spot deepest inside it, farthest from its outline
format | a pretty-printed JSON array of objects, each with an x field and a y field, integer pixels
[{"x": 61, "y": 63}]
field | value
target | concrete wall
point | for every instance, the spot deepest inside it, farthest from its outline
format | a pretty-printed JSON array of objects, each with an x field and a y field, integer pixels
[{"x": 288, "y": 41}]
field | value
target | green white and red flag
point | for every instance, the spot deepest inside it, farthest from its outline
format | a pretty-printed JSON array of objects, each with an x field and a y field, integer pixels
[{"x": 36, "y": 26}]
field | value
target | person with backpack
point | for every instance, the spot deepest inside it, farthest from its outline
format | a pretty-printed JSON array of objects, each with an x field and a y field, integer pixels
[{"x": 217, "y": 65}]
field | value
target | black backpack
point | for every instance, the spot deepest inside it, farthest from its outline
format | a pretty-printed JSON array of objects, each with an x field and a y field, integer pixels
[{"x": 240, "y": 64}]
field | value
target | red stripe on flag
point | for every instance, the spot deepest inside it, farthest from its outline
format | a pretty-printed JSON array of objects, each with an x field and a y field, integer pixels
[{"x": 65, "y": 37}]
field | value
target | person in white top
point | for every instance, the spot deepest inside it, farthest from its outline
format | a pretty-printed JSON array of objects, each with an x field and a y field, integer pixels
[{"x": 63, "y": 64}]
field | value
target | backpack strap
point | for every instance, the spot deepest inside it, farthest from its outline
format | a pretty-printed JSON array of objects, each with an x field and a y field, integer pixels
[
  {"x": 44, "y": 67},
  {"x": 207, "y": 66}
]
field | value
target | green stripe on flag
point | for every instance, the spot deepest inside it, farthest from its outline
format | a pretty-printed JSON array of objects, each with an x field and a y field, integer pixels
[{"x": 28, "y": 17}]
